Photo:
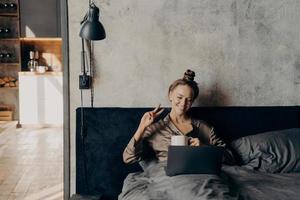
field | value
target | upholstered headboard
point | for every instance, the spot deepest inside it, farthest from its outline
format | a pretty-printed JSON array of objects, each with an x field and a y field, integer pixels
[{"x": 108, "y": 130}]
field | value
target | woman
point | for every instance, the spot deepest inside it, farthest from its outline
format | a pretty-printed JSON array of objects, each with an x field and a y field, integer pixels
[{"x": 157, "y": 136}]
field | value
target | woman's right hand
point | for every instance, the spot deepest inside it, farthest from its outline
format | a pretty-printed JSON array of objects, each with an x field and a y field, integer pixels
[{"x": 149, "y": 117}]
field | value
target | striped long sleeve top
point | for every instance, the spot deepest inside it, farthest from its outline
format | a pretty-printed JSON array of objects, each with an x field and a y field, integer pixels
[{"x": 157, "y": 138}]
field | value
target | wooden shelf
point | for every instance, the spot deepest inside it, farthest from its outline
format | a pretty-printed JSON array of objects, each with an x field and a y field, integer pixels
[
  {"x": 40, "y": 39},
  {"x": 10, "y": 64},
  {"x": 9, "y": 88},
  {"x": 10, "y": 39},
  {"x": 9, "y": 14},
  {"x": 27, "y": 73}
]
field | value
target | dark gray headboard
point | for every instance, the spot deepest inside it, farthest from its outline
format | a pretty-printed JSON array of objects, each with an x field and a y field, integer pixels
[{"x": 108, "y": 130}]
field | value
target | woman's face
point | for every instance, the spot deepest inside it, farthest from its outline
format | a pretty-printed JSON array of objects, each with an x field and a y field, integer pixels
[{"x": 181, "y": 98}]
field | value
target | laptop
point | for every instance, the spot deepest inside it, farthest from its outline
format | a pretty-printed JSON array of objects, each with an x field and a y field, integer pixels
[{"x": 194, "y": 160}]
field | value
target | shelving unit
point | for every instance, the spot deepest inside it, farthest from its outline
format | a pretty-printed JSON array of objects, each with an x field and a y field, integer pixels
[
  {"x": 10, "y": 33},
  {"x": 26, "y": 34},
  {"x": 10, "y": 52}
]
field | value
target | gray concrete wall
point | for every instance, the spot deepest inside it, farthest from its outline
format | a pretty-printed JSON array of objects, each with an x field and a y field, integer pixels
[{"x": 244, "y": 53}]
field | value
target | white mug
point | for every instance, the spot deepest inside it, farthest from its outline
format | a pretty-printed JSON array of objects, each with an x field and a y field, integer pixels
[
  {"x": 179, "y": 140},
  {"x": 42, "y": 69}
]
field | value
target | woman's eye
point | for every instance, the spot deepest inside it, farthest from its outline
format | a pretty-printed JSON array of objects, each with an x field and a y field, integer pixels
[{"x": 179, "y": 97}]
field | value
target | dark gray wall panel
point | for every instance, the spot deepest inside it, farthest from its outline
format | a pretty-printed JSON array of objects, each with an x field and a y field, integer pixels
[{"x": 40, "y": 18}]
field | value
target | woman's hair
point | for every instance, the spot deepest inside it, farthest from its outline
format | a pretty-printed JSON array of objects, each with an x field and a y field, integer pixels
[{"x": 188, "y": 79}]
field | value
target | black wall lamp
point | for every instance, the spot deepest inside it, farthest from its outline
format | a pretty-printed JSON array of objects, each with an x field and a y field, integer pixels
[{"x": 91, "y": 29}]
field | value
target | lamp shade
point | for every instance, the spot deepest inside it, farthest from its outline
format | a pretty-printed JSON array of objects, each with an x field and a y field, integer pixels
[{"x": 91, "y": 28}]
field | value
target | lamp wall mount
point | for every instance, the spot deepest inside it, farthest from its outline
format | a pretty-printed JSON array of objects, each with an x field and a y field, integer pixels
[{"x": 85, "y": 81}]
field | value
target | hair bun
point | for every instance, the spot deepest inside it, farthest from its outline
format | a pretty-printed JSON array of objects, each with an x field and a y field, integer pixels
[{"x": 189, "y": 75}]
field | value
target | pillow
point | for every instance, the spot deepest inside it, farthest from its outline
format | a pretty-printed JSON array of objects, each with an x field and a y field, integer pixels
[{"x": 273, "y": 151}]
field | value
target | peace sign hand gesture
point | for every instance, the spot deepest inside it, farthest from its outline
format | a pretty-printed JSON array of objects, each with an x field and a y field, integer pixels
[{"x": 149, "y": 117}]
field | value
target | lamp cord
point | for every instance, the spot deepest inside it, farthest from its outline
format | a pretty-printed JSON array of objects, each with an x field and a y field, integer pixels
[
  {"x": 83, "y": 143},
  {"x": 92, "y": 71}
]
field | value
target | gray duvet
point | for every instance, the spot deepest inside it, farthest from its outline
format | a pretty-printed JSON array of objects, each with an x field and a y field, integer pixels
[
  {"x": 153, "y": 183},
  {"x": 233, "y": 183},
  {"x": 256, "y": 185}
]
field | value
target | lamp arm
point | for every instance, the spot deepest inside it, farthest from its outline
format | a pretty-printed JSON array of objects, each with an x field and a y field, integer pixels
[
  {"x": 83, "y": 69},
  {"x": 84, "y": 18}
]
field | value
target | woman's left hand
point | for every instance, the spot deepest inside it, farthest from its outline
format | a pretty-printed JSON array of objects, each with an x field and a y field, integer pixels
[{"x": 194, "y": 142}]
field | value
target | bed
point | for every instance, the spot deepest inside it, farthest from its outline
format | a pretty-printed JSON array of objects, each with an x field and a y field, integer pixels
[{"x": 106, "y": 131}]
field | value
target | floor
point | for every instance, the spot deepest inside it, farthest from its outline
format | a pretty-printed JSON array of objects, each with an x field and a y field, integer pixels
[{"x": 31, "y": 163}]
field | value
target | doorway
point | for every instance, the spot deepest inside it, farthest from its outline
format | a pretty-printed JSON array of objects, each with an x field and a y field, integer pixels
[{"x": 34, "y": 159}]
